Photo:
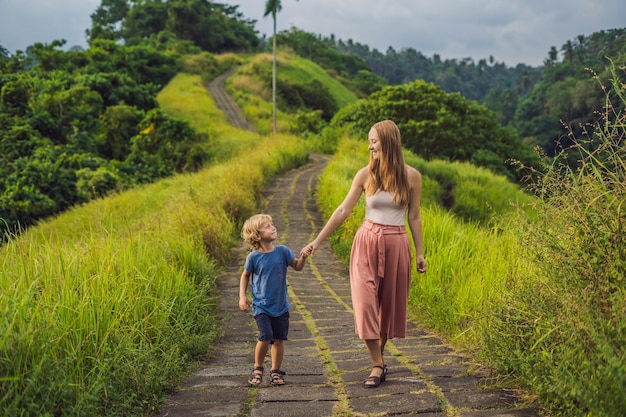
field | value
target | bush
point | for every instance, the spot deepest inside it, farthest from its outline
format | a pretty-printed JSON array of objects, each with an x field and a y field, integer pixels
[{"x": 97, "y": 183}]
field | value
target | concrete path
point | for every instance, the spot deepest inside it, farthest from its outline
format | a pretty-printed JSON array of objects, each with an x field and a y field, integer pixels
[
  {"x": 324, "y": 360},
  {"x": 226, "y": 103}
]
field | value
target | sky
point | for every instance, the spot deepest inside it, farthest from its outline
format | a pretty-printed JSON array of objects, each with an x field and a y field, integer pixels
[{"x": 510, "y": 31}]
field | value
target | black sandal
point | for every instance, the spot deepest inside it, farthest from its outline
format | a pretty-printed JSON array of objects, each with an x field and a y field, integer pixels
[
  {"x": 256, "y": 378},
  {"x": 375, "y": 381},
  {"x": 278, "y": 377}
]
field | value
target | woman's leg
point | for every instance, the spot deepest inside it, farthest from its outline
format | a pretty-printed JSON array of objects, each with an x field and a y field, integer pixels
[
  {"x": 373, "y": 348},
  {"x": 382, "y": 343}
]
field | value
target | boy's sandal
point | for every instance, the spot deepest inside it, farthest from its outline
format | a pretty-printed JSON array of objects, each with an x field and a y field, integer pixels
[
  {"x": 374, "y": 381},
  {"x": 277, "y": 377},
  {"x": 256, "y": 378}
]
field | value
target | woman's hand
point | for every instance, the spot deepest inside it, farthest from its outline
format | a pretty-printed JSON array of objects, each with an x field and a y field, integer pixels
[{"x": 421, "y": 264}]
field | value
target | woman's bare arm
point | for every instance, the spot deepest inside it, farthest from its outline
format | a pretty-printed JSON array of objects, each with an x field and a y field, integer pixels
[
  {"x": 342, "y": 212},
  {"x": 414, "y": 218}
]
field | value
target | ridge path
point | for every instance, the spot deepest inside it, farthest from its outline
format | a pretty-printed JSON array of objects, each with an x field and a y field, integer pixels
[{"x": 324, "y": 360}]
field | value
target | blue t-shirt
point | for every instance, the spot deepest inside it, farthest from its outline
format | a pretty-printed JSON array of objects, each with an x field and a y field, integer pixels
[{"x": 269, "y": 280}]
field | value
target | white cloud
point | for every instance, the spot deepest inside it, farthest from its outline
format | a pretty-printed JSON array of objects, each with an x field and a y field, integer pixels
[
  {"x": 22, "y": 23},
  {"x": 512, "y": 31}
]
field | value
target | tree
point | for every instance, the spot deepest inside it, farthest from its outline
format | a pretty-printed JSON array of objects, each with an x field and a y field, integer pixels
[
  {"x": 273, "y": 7},
  {"x": 440, "y": 125},
  {"x": 211, "y": 26},
  {"x": 4, "y": 52},
  {"x": 553, "y": 56},
  {"x": 106, "y": 20}
]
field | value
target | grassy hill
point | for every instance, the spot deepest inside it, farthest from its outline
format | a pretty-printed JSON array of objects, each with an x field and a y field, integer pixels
[
  {"x": 103, "y": 306},
  {"x": 149, "y": 256},
  {"x": 251, "y": 86}
]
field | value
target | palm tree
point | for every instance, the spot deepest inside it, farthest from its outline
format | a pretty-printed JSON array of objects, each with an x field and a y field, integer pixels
[
  {"x": 273, "y": 7},
  {"x": 4, "y": 52}
]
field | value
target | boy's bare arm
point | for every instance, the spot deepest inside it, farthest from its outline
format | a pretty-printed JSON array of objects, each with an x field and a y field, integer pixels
[
  {"x": 298, "y": 263},
  {"x": 243, "y": 287}
]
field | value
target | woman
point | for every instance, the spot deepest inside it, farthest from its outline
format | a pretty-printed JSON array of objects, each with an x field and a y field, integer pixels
[{"x": 380, "y": 262}]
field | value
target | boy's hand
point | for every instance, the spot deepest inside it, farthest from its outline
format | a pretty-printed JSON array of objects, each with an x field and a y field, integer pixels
[{"x": 243, "y": 303}]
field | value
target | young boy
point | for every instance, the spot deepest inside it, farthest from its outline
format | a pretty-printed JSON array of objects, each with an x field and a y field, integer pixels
[{"x": 266, "y": 268}]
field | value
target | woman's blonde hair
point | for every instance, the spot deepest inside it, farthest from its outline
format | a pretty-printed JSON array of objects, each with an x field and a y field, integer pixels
[
  {"x": 388, "y": 171},
  {"x": 252, "y": 226}
]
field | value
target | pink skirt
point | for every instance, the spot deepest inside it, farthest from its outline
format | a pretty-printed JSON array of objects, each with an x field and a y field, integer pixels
[{"x": 380, "y": 279}]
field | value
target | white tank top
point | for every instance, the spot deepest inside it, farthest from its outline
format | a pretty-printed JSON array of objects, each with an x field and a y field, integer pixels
[{"x": 380, "y": 208}]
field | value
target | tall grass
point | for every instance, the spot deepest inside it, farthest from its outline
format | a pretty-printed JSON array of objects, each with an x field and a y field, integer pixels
[
  {"x": 469, "y": 267},
  {"x": 102, "y": 307},
  {"x": 472, "y": 193},
  {"x": 565, "y": 318},
  {"x": 535, "y": 288}
]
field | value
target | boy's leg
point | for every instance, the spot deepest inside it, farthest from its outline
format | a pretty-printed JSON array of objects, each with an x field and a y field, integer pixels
[
  {"x": 277, "y": 353},
  {"x": 278, "y": 350},
  {"x": 260, "y": 351},
  {"x": 263, "y": 322},
  {"x": 280, "y": 328}
]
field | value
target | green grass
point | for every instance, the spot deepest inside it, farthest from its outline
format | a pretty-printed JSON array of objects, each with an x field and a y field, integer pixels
[
  {"x": 300, "y": 70},
  {"x": 255, "y": 98},
  {"x": 534, "y": 288},
  {"x": 564, "y": 317},
  {"x": 186, "y": 97},
  {"x": 102, "y": 307}
]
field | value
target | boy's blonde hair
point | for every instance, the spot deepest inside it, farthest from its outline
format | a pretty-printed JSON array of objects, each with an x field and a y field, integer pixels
[{"x": 251, "y": 228}]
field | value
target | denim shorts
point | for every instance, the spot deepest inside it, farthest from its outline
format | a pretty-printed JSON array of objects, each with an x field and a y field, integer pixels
[{"x": 271, "y": 328}]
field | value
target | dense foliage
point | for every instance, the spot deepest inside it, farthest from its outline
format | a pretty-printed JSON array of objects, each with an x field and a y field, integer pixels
[
  {"x": 567, "y": 95},
  {"x": 475, "y": 81},
  {"x": 540, "y": 103},
  {"x": 213, "y": 27},
  {"x": 440, "y": 125},
  {"x": 78, "y": 125},
  {"x": 346, "y": 65}
]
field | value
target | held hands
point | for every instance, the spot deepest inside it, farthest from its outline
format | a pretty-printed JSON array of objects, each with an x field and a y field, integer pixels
[{"x": 308, "y": 250}]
